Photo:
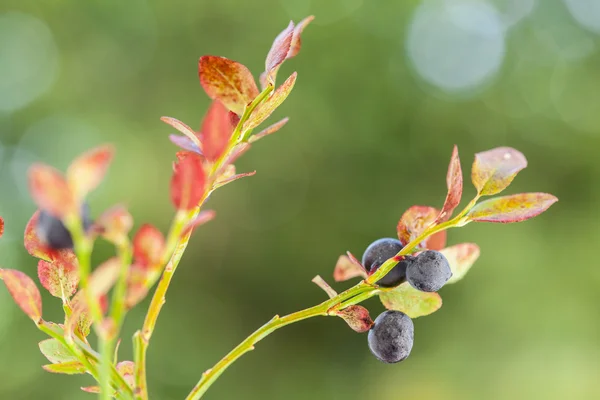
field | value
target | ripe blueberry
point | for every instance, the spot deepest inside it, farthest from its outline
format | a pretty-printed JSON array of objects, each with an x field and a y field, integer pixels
[
  {"x": 391, "y": 337},
  {"x": 379, "y": 252},
  {"x": 429, "y": 271},
  {"x": 52, "y": 231}
]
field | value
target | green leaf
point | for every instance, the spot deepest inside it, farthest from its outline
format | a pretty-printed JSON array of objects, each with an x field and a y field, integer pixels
[
  {"x": 461, "y": 258},
  {"x": 515, "y": 208},
  {"x": 262, "y": 112},
  {"x": 68, "y": 368},
  {"x": 55, "y": 351},
  {"x": 495, "y": 169},
  {"x": 411, "y": 301}
]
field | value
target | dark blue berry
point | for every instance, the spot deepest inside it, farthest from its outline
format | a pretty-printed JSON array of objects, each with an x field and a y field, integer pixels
[
  {"x": 379, "y": 252},
  {"x": 391, "y": 337},
  {"x": 429, "y": 271},
  {"x": 54, "y": 234}
]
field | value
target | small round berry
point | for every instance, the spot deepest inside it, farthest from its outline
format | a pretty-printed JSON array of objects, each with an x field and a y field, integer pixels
[
  {"x": 429, "y": 271},
  {"x": 391, "y": 337},
  {"x": 53, "y": 232},
  {"x": 379, "y": 252}
]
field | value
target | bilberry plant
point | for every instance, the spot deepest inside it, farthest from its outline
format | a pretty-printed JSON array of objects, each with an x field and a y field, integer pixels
[{"x": 404, "y": 273}]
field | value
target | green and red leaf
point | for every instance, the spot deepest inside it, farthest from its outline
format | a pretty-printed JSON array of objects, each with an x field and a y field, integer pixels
[
  {"x": 269, "y": 130},
  {"x": 348, "y": 267},
  {"x": 24, "y": 292},
  {"x": 91, "y": 389},
  {"x": 202, "y": 218},
  {"x": 55, "y": 351},
  {"x": 461, "y": 258},
  {"x": 127, "y": 371},
  {"x": 114, "y": 224},
  {"x": 60, "y": 279},
  {"x": 278, "y": 52},
  {"x": 227, "y": 81},
  {"x": 514, "y": 208},
  {"x": 148, "y": 245},
  {"x": 216, "y": 131},
  {"x": 411, "y": 301},
  {"x": 263, "y": 111},
  {"x": 413, "y": 223},
  {"x": 495, "y": 169},
  {"x": 50, "y": 191},
  {"x": 357, "y": 318},
  {"x": 67, "y": 368},
  {"x": 454, "y": 182},
  {"x": 188, "y": 184},
  {"x": 320, "y": 282},
  {"x": 87, "y": 171}
]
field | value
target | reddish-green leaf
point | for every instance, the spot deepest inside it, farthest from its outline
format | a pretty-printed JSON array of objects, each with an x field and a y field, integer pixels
[
  {"x": 137, "y": 284},
  {"x": 262, "y": 112},
  {"x": 411, "y": 301},
  {"x": 114, "y": 224},
  {"x": 224, "y": 179},
  {"x": 91, "y": 389},
  {"x": 50, "y": 191},
  {"x": 278, "y": 52},
  {"x": 348, "y": 267},
  {"x": 88, "y": 170},
  {"x": 228, "y": 81},
  {"x": 357, "y": 318},
  {"x": 269, "y": 130},
  {"x": 202, "y": 218},
  {"x": 24, "y": 292},
  {"x": 148, "y": 245},
  {"x": 454, "y": 182},
  {"x": 320, "y": 282},
  {"x": 188, "y": 184},
  {"x": 514, "y": 208},
  {"x": 413, "y": 223},
  {"x": 60, "y": 279},
  {"x": 189, "y": 133},
  {"x": 461, "y": 258},
  {"x": 494, "y": 170},
  {"x": 127, "y": 370},
  {"x": 296, "y": 40},
  {"x": 68, "y": 368},
  {"x": 1, "y": 227},
  {"x": 55, "y": 351},
  {"x": 216, "y": 131}
]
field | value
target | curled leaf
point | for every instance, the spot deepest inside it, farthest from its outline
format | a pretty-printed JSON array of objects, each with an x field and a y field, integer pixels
[
  {"x": 188, "y": 184},
  {"x": 348, "y": 267},
  {"x": 228, "y": 81},
  {"x": 495, "y": 169},
  {"x": 190, "y": 134},
  {"x": 50, "y": 191},
  {"x": 24, "y": 292},
  {"x": 55, "y": 351},
  {"x": 87, "y": 171},
  {"x": 413, "y": 223},
  {"x": 454, "y": 182},
  {"x": 68, "y": 368},
  {"x": 296, "y": 39},
  {"x": 115, "y": 223},
  {"x": 262, "y": 112},
  {"x": 411, "y": 301},
  {"x": 320, "y": 282},
  {"x": 278, "y": 52},
  {"x": 216, "y": 131},
  {"x": 514, "y": 208},
  {"x": 461, "y": 258},
  {"x": 357, "y": 318},
  {"x": 148, "y": 245},
  {"x": 269, "y": 130},
  {"x": 60, "y": 279}
]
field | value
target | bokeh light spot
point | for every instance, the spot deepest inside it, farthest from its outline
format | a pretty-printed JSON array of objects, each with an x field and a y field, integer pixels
[{"x": 586, "y": 13}]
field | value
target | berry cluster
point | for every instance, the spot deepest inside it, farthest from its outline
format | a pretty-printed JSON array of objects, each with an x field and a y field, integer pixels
[{"x": 391, "y": 337}]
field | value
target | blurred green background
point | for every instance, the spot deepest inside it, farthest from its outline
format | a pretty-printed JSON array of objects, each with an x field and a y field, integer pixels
[{"x": 385, "y": 89}]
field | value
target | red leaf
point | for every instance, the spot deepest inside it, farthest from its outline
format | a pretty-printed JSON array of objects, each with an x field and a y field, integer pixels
[
  {"x": 50, "y": 191},
  {"x": 494, "y": 170},
  {"x": 188, "y": 184},
  {"x": 348, "y": 267},
  {"x": 414, "y": 221},
  {"x": 60, "y": 279},
  {"x": 269, "y": 130},
  {"x": 114, "y": 224},
  {"x": 228, "y": 81},
  {"x": 514, "y": 208},
  {"x": 88, "y": 170},
  {"x": 201, "y": 219},
  {"x": 148, "y": 245},
  {"x": 357, "y": 318},
  {"x": 24, "y": 292},
  {"x": 296, "y": 40},
  {"x": 137, "y": 284},
  {"x": 454, "y": 182},
  {"x": 186, "y": 130},
  {"x": 461, "y": 258},
  {"x": 1, "y": 227},
  {"x": 320, "y": 282},
  {"x": 216, "y": 131},
  {"x": 262, "y": 112},
  {"x": 278, "y": 52}
]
